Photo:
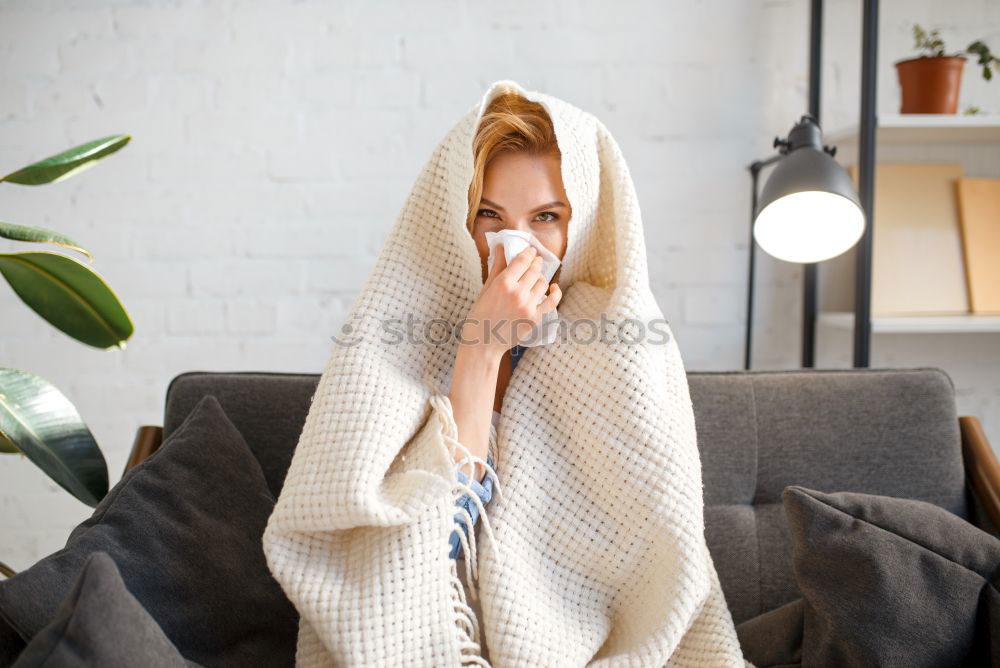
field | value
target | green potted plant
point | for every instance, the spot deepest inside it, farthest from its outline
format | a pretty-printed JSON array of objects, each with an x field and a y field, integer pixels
[
  {"x": 36, "y": 419},
  {"x": 931, "y": 82}
]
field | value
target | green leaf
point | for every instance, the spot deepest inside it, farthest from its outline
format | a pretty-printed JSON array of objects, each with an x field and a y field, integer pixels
[
  {"x": 69, "y": 295},
  {"x": 6, "y": 445},
  {"x": 47, "y": 428},
  {"x": 63, "y": 165},
  {"x": 39, "y": 235}
]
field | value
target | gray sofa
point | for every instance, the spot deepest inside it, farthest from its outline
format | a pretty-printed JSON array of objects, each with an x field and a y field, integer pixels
[
  {"x": 893, "y": 432},
  {"x": 889, "y": 432}
]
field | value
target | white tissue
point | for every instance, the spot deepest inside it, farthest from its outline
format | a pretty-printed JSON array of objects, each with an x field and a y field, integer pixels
[{"x": 513, "y": 242}]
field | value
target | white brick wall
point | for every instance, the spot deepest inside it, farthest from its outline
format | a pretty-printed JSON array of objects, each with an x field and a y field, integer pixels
[{"x": 274, "y": 143}]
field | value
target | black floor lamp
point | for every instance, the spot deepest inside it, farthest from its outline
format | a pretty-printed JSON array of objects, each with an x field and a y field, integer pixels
[{"x": 809, "y": 210}]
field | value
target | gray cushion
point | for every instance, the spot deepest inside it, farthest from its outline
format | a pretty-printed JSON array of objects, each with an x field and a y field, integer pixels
[
  {"x": 885, "y": 581},
  {"x": 268, "y": 408},
  {"x": 774, "y": 639},
  {"x": 100, "y": 624},
  {"x": 11, "y": 643},
  {"x": 184, "y": 528},
  {"x": 891, "y": 432}
]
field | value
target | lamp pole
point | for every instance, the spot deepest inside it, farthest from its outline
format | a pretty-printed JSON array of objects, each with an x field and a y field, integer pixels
[
  {"x": 865, "y": 196},
  {"x": 866, "y": 184},
  {"x": 809, "y": 281},
  {"x": 809, "y": 269},
  {"x": 755, "y": 168}
]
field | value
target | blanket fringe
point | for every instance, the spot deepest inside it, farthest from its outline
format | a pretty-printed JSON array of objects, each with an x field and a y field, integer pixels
[
  {"x": 466, "y": 624},
  {"x": 469, "y": 544}
]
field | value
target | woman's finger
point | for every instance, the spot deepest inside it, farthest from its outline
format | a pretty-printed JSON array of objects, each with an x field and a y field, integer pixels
[
  {"x": 550, "y": 302},
  {"x": 520, "y": 264},
  {"x": 499, "y": 264},
  {"x": 537, "y": 291},
  {"x": 529, "y": 277}
]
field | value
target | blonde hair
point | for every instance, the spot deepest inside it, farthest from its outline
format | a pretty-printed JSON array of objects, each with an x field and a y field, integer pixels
[{"x": 510, "y": 123}]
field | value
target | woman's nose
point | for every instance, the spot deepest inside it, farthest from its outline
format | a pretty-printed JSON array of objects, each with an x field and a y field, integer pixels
[{"x": 519, "y": 225}]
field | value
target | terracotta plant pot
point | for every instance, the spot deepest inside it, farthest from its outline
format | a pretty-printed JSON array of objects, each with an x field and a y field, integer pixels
[{"x": 930, "y": 84}]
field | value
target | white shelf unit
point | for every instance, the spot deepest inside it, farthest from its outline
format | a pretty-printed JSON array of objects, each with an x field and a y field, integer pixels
[
  {"x": 917, "y": 324},
  {"x": 911, "y": 130}
]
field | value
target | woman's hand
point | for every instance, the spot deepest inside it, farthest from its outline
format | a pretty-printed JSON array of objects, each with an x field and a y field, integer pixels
[{"x": 512, "y": 302}]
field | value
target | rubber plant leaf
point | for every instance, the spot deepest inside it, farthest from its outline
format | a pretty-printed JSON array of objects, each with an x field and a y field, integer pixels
[
  {"x": 37, "y": 418},
  {"x": 70, "y": 295},
  {"x": 40, "y": 235},
  {"x": 6, "y": 445},
  {"x": 72, "y": 161}
]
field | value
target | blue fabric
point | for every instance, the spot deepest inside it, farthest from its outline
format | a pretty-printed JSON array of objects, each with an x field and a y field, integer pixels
[
  {"x": 516, "y": 353},
  {"x": 483, "y": 490}
]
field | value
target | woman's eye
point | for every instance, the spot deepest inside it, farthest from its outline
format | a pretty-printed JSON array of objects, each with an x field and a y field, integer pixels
[{"x": 490, "y": 213}]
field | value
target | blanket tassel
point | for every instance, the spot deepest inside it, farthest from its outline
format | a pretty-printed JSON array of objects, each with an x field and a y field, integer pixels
[{"x": 466, "y": 624}]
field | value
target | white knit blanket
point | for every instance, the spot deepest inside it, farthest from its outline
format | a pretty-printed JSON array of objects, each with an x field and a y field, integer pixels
[{"x": 592, "y": 551}]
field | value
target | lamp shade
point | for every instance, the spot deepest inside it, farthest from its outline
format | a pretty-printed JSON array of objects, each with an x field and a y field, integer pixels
[{"x": 808, "y": 210}]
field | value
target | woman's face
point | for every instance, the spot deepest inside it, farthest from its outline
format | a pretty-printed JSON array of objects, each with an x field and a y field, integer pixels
[{"x": 523, "y": 192}]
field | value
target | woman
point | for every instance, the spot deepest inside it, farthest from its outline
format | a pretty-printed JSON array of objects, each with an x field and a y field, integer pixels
[
  {"x": 594, "y": 549},
  {"x": 516, "y": 186}
]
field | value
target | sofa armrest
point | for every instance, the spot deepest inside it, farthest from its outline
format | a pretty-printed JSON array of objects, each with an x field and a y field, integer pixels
[
  {"x": 981, "y": 465},
  {"x": 147, "y": 439}
]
